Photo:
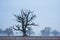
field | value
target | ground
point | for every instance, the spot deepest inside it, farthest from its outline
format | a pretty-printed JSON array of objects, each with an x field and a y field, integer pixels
[{"x": 28, "y": 38}]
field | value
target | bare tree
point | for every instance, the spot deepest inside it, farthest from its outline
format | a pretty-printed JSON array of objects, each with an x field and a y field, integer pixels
[{"x": 25, "y": 20}]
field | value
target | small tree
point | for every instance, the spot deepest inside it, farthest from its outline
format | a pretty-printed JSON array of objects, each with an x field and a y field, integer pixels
[
  {"x": 55, "y": 32},
  {"x": 9, "y": 31},
  {"x": 43, "y": 32},
  {"x": 25, "y": 20},
  {"x": 46, "y": 31}
]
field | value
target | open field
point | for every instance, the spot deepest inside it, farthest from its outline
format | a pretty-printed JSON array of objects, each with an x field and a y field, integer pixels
[{"x": 28, "y": 38}]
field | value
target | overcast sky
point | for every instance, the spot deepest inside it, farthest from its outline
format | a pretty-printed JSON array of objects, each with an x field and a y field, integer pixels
[{"x": 47, "y": 12}]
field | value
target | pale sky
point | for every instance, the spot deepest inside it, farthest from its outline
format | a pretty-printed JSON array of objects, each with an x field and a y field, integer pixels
[{"x": 47, "y": 12}]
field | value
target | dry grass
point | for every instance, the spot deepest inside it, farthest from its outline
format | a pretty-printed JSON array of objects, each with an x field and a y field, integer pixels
[{"x": 28, "y": 38}]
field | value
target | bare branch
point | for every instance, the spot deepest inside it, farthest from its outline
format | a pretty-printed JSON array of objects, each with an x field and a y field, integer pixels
[
  {"x": 17, "y": 28},
  {"x": 27, "y": 16},
  {"x": 29, "y": 13},
  {"x": 29, "y": 28},
  {"x": 19, "y": 21},
  {"x": 32, "y": 17},
  {"x": 24, "y": 14},
  {"x": 32, "y": 24},
  {"x": 18, "y": 17}
]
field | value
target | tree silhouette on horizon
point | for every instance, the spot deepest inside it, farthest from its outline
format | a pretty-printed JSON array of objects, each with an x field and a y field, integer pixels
[
  {"x": 9, "y": 31},
  {"x": 55, "y": 33},
  {"x": 46, "y": 31},
  {"x": 25, "y": 20}
]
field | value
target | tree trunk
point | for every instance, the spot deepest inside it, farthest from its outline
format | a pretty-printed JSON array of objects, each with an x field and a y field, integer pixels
[{"x": 24, "y": 33}]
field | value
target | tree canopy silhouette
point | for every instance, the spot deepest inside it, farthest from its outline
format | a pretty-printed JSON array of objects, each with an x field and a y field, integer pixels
[
  {"x": 46, "y": 31},
  {"x": 9, "y": 31},
  {"x": 25, "y": 21},
  {"x": 55, "y": 33}
]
